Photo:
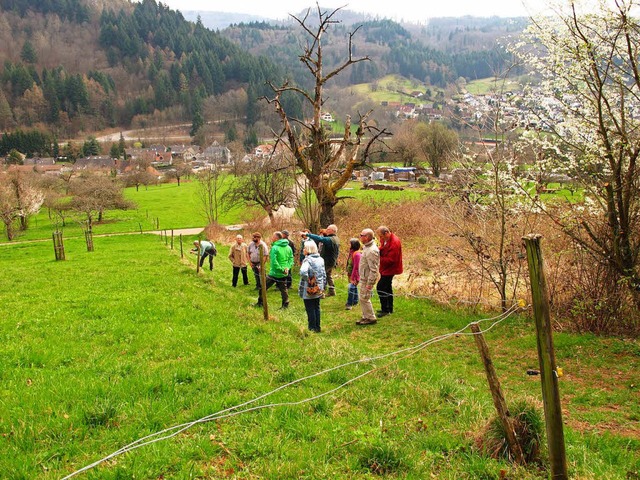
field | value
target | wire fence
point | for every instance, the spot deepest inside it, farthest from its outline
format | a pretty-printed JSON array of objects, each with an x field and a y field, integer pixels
[{"x": 249, "y": 406}]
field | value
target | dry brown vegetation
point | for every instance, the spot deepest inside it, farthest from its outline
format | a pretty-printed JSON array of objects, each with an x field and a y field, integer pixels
[{"x": 440, "y": 264}]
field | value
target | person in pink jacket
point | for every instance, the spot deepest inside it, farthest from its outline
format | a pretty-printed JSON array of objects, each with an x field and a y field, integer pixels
[
  {"x": 353, "y": 265},
  {"x": 390, "y": 265}
]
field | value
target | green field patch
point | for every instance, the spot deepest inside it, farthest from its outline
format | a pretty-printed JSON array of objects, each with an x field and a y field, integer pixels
[{"x": 109, "y": 346}]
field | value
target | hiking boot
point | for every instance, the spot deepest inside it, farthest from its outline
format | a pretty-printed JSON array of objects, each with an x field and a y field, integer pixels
[
  {"x": 367, "y": 321},
  {"x": 382, "y": 314}
]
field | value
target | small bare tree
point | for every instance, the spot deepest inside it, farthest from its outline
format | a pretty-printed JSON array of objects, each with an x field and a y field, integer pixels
[
  {"x": 267, "y": 183},
  {"x": 180, "y": 170},
  {"x": 210, "y": 190},
  {"x": 94, "y": 194},
  {"x": 325, "y": 161}
]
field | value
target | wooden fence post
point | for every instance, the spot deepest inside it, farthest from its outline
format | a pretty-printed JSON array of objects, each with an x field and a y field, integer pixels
[
  {"x": 198, "y": 256},
  {"x": 181, "y": 251},
  {"x": 263, "y": 285},
  {"x": 172, "y": 239},
  {"x": 498, "y": 398},
  {"x": 546, "y": 359},
  {"x": 58, "y": 245}
]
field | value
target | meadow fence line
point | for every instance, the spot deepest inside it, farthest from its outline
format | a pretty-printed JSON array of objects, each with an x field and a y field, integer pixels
[{"x": 234, "y": 411}]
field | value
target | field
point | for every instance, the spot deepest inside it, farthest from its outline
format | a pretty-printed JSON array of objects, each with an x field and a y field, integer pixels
[
  {"x": 111, "y": 346},
  {"x": 488, "y": 85},
  {"x": 167, "y": 205}
]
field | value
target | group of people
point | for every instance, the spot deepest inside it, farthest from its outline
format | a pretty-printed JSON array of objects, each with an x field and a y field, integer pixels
[{"x": 369, "y": 265}]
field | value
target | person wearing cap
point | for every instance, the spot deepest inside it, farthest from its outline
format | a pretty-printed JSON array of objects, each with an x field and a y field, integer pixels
[
  {"x": 239, "y": 256},
  {"x": 329, "y": 252},
  {"x": 253, "y": 249},
  {"x": 207, "y": 249},
  {"x": 292, "y": 245}
]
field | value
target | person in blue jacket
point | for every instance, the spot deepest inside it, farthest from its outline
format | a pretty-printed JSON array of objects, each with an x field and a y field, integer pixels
[{"x": 207, "y": 249}]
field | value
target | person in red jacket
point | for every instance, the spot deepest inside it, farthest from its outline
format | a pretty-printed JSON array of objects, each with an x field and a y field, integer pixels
[{"x": 390, "y": 265}]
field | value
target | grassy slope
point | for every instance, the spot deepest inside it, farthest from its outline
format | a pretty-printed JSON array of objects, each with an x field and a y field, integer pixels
[{"x": 110, "y": 346}]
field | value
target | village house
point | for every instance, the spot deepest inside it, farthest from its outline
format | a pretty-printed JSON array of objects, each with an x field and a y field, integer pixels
[
  {"x": 101, "y": 164},
  {"x": 187, "y": 153},
  {"x": 215, "y": 153}
]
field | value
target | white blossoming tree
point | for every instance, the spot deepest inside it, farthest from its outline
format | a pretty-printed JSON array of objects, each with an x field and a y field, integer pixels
[{"x": 588, "y": 107}]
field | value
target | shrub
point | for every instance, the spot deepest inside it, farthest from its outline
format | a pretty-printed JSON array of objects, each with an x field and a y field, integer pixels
[
  {"x": 528, "y": 426},
  {"x": 422, "y": 180}
]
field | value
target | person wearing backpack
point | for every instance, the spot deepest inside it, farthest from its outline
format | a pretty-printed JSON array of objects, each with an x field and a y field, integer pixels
[
  {"x": 330, "y": 251},
  {"x": 313, "y": 279}
]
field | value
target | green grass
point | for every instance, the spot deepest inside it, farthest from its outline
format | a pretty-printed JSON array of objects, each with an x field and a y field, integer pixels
[
  {"x": 107, "y": 347},
  {"x": 490, "y": 85},
  {"x": 171, "y": 205}
]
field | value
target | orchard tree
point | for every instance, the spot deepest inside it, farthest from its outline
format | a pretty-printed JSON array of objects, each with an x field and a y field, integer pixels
[
  {"x": 405, "y": 145},
  {"x": 211, "y": 184},
  {"x": 267, "y": 183},
  {"x": 438, "y": 145},
  {"x": 94, "y": 194},
  {"x": 180, "y": 170},
  {"x": 587, "y": 99},
  {"x": 19, "y": 199},
  {"x": 326, "y": 162}
]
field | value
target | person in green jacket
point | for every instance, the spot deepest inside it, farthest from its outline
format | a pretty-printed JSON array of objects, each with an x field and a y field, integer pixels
[{"x": 281, "y": 262}]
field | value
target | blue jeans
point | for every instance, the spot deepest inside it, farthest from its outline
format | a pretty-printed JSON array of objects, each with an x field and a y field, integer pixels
[
  {"x": 312, "y": 306},
  {"x": 352, "y": 297}
]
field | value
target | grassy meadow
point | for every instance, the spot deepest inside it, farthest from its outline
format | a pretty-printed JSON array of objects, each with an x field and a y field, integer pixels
[
  {"x": 111, "y": 346},
  {"x": 171, "y": 205}
]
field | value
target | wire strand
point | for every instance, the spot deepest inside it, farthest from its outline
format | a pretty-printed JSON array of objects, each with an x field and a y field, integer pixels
[{"x": 234, "y": 411}]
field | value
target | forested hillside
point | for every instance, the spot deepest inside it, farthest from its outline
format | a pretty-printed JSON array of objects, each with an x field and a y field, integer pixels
[
  {"x": 437, "y": 53},
  {"x": 79, "y": 66},
  {"x": 73, "y": 65}
]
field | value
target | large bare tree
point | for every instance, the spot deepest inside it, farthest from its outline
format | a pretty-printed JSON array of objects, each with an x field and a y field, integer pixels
[{"x": 326, "y": 162}]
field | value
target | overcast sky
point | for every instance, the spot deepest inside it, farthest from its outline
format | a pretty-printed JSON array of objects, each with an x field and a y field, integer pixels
[{"x": 416, "y": 11}]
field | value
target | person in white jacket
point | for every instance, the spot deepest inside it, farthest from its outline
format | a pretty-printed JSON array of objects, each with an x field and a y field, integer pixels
[{"x": 369, "y": 267}]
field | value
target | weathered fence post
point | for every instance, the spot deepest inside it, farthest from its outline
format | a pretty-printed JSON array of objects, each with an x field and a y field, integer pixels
[
  {"x": 172, "y": 239},
  {"x": 88, "y": 238},
  {"x": 546, "y": 359},
  {"x": 166, "y": 238},
  {"x": 181, "y": 251},
  {"x": 140, "y": 227},
  {"x": 198, "y": 256},
  {"x": 498, "y": 398},
  {"x": 58, "y": 245},
  {"x": 263, "y": 285}
]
